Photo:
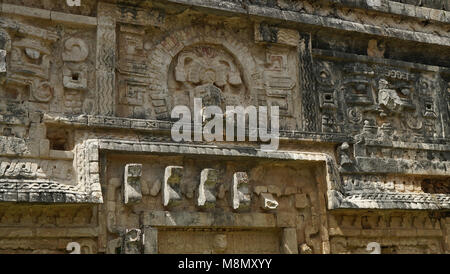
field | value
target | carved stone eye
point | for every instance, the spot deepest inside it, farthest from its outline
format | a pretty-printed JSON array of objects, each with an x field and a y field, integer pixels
[{"x": 32, "y": 53}]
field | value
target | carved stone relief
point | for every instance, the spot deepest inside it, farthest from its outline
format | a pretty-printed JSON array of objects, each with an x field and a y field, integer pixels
[
  {"x": 380, "y": 94},
  {"x": 207, "y": 62},
  {"x": 364, "y": 129}
]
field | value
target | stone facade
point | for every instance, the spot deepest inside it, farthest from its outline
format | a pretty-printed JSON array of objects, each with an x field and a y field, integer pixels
[{"x": 86, "y": 155}]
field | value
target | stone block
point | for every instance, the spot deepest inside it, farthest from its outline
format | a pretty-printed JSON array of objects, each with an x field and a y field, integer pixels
[
  {"x": 150, "y": 240},
  {"x": 2, "y": 60},
  {"x": 73, "y": 18},
  {"x": 93, "y": 167},
  {"x": 268, "y": 202},
  {"x": 44, "y": 148},
  {"x": 14, "y": 232},
  {"x": 61, "y": 154},
  {"x": 26, "y": 11},
  {"x": 289, "y": 190},
  {"x": 289, "y": 241},
  {"x": 240, "y": 193},
  {"x": 274, "y": 190},
  {"x": 172, "y": 185},
  {"x": 301, "y": 200},
  {"x": 259, "y": 189},
  {"x": 286, "y": 219},
  {"x": 207, "y": 188},
  {"x": 132, "y": 183},
  {"x": 51, "y": 232}
]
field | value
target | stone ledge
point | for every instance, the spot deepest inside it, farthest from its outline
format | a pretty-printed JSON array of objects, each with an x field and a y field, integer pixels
[
  {"x": 48, "y": 15},
  {"x": 202, "y": 219},
  {"x": 401, "y": 166},
  {"x": 382, "y": 61},
  {"x": 386, "y": 232},
  {"x": 394, "y": 7},
  {"x": 73, "y": 18},
  {"x": 321, "y": 21},
  {"x": 25, "y": 11},
  {"x": 48, "y": 232},
  {"x": 383, "y": 200},
  {"x": 147, "y": 125}
]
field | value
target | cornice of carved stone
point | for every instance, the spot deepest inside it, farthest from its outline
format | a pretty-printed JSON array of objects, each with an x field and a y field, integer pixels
[
  {"x": 377, "y": 60},
  {"x": 394, "y": 7},
  {"x": 145, "y": 125},
  {"x": 380, "y": 200},
  {"x": 316, "y": 20},
  {"x": 209, "y": 219},
  {"x": 48, "y": 14},
  {"x": 384, "y": 6}
]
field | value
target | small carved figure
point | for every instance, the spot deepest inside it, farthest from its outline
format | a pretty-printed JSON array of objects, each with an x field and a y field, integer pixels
[
  {"x": 132, "y": 241},
  {"x": 388, "y": 98},
  {"x": 344, "y": 155}
]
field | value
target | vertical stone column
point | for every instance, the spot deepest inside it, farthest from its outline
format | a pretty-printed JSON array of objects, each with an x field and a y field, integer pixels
[
  {"x": 310, "y": 105},
  {"x": 105, "y": 59},
  {"x": 289, "y": 241},
  {"x": 150, "y": 240}
]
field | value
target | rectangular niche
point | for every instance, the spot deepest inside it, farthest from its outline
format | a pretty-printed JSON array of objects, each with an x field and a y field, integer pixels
[{"x": 217, "y": 240}]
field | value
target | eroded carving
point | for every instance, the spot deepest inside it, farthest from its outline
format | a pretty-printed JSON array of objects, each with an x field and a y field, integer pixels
[
  {"x": 240, "y": 193},
  {"x": 132, "y": 241},
  {"x": 268, "y": 202},
  {"x": 207, "y": 188},
  {"x": 132, "y": 183},
  {"x": 376, "y": 48},
  {"x": 171, "y": 189},
  {"x": 75, "y": 50}
]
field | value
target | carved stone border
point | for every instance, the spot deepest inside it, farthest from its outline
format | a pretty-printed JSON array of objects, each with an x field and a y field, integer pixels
[
  {"x": 88, "y": 189},
  {"x": 321, "y": 21}
]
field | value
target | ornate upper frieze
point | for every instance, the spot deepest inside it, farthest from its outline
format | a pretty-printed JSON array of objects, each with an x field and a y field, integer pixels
[{"x": 72, "y": 83}]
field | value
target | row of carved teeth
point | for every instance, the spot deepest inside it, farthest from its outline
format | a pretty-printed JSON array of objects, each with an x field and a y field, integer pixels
[{"x": 206, "y": 190}]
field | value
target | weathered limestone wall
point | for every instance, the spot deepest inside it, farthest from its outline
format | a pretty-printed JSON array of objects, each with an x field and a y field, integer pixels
[{"x": 86, "y": 155}]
